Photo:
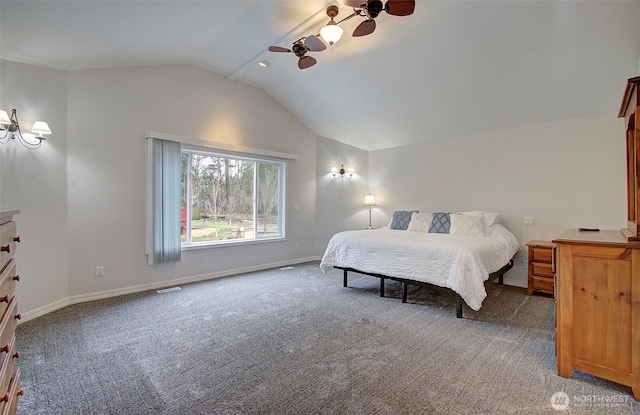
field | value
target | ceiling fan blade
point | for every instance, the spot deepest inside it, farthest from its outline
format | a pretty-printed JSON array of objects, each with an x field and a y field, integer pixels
[
  {"x": 354, "y": 3},
  {"x": 306, "y": 62},
  {"x": 400, "y": 7},
  {"x": 278, "y": 49},
  {"x": 365, "y": 28},
  {"x": 314, "y": 44}
]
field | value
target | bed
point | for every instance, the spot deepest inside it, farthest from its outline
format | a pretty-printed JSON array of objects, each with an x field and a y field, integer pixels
[{"x": 461, "y": 260}]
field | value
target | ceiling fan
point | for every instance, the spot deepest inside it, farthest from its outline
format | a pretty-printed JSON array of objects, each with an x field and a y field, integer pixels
[
  {"x": 372, "y": 8},
  {"x": 301, "y": 47}
]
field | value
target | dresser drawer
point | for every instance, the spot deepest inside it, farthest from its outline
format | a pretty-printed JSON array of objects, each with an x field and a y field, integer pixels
[
  {"x": 10, "y": 400},
  {"x": 8, "y": 364},
  {"x": 8, "y": 279},
  {"x": 8, "y": 242},
  {"x": 541, "y": 269},
  {"x": 8, "y": 324}
]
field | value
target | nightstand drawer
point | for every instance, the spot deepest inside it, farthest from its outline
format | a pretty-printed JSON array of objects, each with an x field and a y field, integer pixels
[
  {"x": 538, "y": 254},
  {"x": 542, "y": 284},
  {"x": 541, "y": 269}
]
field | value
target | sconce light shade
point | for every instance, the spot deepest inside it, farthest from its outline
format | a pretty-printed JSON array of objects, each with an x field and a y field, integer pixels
[
  {"x": 10, "y": 131},
  {"x": 335, "y": 172},
  {"x": 41, "y": 127},
  {"x": 369, "y": 200},
  {"x": 4, "y": 118}
]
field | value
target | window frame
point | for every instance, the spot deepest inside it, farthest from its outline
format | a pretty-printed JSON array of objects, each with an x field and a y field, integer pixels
[{"x": 257, "y": 160}]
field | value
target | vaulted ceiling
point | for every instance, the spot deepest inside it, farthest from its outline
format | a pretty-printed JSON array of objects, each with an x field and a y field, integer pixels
[{"x": 453, "y": 68}]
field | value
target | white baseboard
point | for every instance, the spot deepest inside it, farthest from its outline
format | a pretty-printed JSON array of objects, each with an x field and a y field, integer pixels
[
  {"x": 40, "y": 311},
  {"x": 516, "y": 282}
]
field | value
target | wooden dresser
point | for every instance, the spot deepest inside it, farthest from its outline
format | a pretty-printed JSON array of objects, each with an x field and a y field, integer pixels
[
  {"x": 542, "y": 267},
  {"x": 598, "y": 306},
  {"x": 10, "y": 390}
]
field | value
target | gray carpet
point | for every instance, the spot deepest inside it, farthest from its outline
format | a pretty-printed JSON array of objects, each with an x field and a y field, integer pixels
[{"x": 297, "y": 342}]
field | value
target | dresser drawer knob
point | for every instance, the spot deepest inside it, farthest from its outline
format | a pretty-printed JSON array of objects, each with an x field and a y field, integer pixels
[
  {"x": 4, "y": 349},
  {"x": 5, "y": 398},
  {"x": 20, "y": 392},
  {"x": 16, "y": 355},
  {"x": 18, "y": 316},
  {"x": 16, "y": 278},
  {"x": 17, "y": 239},
  {"x": 6, "y": 249},
  {"x": 4, "y": 299}
]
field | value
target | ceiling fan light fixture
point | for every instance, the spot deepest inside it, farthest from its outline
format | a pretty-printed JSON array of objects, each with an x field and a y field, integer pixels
[{"x": 331, "y": 33}]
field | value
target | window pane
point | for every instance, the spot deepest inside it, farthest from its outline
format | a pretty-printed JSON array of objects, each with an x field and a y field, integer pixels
[
  {"x": 268, "y": 199},
  {"x": 226, "y": 198},
  {"x": 221, "y": 198}
]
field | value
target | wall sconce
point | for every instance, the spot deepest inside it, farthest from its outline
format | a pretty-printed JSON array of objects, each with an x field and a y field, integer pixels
[
  {"x": 10, "y": 129},
  {"x": 342, "y": 172},
  {"x": 369, "y": 200}
]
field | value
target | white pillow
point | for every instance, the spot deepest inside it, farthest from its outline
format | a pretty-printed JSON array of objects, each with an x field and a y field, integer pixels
[
  {"x": 466, "y": 225},
  {"x": 489, "y": 218},
  {"x": 420, "y": 222}
]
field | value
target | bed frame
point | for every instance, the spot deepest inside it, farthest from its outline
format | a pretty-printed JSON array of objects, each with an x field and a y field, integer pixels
[{"x": 498, "y": 274}]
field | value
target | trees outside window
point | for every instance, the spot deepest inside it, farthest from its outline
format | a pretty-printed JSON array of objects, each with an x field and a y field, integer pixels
[{"x": 227, "y": 198}]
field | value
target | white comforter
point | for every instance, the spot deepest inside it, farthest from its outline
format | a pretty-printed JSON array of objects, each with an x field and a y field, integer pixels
[{"x": 459, "y": 262}]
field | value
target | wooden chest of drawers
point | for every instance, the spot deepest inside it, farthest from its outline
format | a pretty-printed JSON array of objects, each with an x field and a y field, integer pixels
[
  {"x": 541, "y": 267},
  {"x": 598, "y": 306},
  {"x": 10, "y": 390}
]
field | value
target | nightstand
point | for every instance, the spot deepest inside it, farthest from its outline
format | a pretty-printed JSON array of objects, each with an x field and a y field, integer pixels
[{"x": 542, "y": 267}]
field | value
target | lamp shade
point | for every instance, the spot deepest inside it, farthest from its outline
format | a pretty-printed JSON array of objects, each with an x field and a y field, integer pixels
[
  {"x": 40, "y": 127},
  {"x": 369, "y": 200},
  {"x": 4, "y": 118},
  {"x": 331, "y": 33}
]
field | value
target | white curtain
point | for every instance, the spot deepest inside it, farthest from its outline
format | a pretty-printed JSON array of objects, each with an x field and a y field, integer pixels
[{"x": 164, "y": 197}]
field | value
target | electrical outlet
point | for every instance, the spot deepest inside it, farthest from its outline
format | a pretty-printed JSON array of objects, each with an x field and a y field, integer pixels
[
  {"x": 525, "y": 263},
  {"x": 296, "y": 246},
  {"x": 529, "y": 221},
  {"x": 100, "y": 271}
]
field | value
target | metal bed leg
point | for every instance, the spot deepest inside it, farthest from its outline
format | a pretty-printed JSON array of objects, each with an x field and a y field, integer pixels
[
  {"x": 381, "y": 287},
  {"x": 344, "y": 278},
  {"x": 404, "y": 292},
  {"x": 458, "y": 306}
]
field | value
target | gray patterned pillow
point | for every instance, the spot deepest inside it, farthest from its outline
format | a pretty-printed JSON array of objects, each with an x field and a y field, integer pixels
[
  {"x": 401, "y": 219},
  {"x": 441, "y": 223}
]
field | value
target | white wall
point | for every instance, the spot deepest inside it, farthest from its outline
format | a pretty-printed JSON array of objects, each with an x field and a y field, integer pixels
[
  {"x": 109, "y": 111},
  {"x": 82, "y": 194},
  {"x": 339, "y": 201},
  {"x": 566, "y": 174},
  {"x": 35, "y": 181}
]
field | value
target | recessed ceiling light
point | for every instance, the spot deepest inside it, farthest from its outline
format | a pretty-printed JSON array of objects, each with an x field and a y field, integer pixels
[{"x": 264, "y": 64}]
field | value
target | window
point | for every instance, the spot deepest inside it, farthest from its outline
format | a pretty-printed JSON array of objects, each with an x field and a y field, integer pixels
[{"x": 229, "y": 199}]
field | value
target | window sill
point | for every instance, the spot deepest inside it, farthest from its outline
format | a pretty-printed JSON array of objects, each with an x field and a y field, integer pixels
[{"x": 230, "y": 242}]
